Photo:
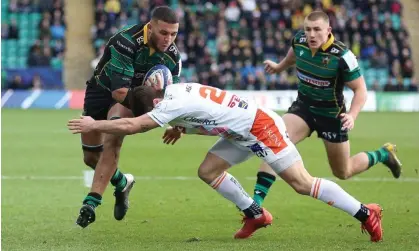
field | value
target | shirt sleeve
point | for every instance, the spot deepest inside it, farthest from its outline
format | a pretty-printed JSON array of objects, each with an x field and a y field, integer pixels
[
  {"x": 166, "y": 111},
  {"x": 296, "y": 38},
  {"x": 120, "y": 68},
  {"x": 350, "y": 67}
]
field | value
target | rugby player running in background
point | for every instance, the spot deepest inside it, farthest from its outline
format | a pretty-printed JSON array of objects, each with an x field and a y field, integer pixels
[{"x": 324, "y": 66}]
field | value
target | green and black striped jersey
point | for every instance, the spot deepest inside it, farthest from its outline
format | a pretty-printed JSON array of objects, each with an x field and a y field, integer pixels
[
  {"x": 322, "y": 74},
  {"x": 128, "y": 57}
]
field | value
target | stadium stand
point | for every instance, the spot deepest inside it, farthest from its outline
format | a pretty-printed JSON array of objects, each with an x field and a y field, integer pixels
[
  {"x": 33, "y": 43},
  {"x": 225, "y": 42}
]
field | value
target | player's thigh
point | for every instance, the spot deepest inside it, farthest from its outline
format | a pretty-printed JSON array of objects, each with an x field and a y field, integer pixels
[
  {"x": 97, "y": 102},
  {"x": 117, "y": 111},
  {"x": 297, "y": 128},
  {"x": 338, "y": 155},
  {"x": 330, "y": 129},
  {"x": 113, "y": 142},
  {"x": 96, "y": 105},
  {"x": 269, "y": 141},
  {"x": 299, "y": 122},
  {"x": 222, "y": 155}
]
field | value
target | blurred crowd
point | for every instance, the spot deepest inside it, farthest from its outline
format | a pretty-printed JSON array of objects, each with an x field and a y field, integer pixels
[
  {"x": 224, "y": 43},
  {"x": 51, "y": 41},
  {"x": 37, "y": 28}
]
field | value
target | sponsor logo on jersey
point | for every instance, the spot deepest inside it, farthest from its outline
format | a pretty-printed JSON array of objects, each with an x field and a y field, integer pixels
[
  {"x": 124, "y": 46},
  {"x": 272, "y": 136},
  {"x": 302, "y": 39},
  {"x": 301, "y": 53},
  {"x": 188, "y": 88},
  {"x": 140, "y": 40},
  {"x": 201, "y": 121},
  {"x": 139, "y": 75},
  {"x": 173, "y": 49},
  {"x": 313, "y": 81},
  {"x": 334, "y": 51},
  {"x": 243, "y": 104},
  {"x": 258, "y": 150}
]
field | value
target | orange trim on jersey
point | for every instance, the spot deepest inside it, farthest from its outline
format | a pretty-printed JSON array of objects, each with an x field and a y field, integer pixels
[
  {"x": 220, "y": 179},
  {"x": 267, "y": 132}
]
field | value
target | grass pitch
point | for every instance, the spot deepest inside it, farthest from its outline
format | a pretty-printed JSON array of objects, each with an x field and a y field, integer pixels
[{"x": 42, "y": 191}]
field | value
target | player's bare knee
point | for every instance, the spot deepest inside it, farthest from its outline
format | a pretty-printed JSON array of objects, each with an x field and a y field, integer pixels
[
  {"x": 342, "y": 174},
  {"x": 207, "y": 174}
]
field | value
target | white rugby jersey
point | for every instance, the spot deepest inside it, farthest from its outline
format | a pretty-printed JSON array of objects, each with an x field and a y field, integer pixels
[{"x": 200, "y": 109}]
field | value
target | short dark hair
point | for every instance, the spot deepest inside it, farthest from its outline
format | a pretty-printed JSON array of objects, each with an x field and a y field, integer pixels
[
  {"x": 318, "y": 14},
  {"x": 165, "y": 14},
  {"x": 142, "y": 100}
]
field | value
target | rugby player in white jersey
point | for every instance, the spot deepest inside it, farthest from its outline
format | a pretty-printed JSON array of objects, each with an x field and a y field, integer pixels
[{"x": 244, "y": 130}]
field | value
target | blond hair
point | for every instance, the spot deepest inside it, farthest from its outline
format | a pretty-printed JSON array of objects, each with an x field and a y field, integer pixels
[{"x": 316, "y": 15}]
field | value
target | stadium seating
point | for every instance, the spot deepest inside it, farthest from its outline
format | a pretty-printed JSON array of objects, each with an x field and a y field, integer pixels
[
  {"x": 247, "y": 24},
  {"x": 16, "y": 53}
]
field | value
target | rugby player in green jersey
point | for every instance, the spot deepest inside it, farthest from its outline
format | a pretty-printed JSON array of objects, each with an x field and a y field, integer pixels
[
  {"x": 128, "y": 55},
  {"x": 324, "y": 66}
]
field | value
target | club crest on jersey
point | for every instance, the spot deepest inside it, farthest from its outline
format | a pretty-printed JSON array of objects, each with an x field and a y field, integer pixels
[
  {"x": 325, "y": 60},
  {"x": 301, "y": 53}
]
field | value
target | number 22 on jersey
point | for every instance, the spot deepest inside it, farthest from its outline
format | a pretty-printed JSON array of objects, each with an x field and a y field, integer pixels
[{"x": 216, "y": 95}]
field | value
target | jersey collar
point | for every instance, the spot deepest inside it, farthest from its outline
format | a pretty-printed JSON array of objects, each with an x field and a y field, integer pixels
[
  {"x": 152, "y": 50},
  {"x": 146, "y": 33},
  {"x": 329, "y": 42}
]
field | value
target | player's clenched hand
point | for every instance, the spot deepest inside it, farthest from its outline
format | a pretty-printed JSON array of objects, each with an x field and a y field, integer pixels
[
  {"x": 347, "y": 121},
  {"x": 82, "y": 125},
  {"x": 270, "y": 66},
  {"x": 171, "y": 135}
]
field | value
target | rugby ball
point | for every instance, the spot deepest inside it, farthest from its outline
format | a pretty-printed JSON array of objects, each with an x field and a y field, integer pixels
[{"x": 150, "y": 77}]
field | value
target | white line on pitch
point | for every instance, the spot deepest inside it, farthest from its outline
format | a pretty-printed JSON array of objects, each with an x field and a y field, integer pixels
[{"x": 5, "y": 177}]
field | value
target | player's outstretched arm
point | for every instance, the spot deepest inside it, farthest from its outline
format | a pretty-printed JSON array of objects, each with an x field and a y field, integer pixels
[
  {"x": 124, "y": 126},
  {"x": 271, "y": 67}
]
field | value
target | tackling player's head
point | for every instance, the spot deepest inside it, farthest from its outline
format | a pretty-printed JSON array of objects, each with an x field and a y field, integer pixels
[
  {"x": 144, "y": 99},
  {"x": 317, "y": 29},
  {"x": 163, "y": 28}
]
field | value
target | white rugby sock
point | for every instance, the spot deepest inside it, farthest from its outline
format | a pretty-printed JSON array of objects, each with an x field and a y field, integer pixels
[
  {"x": 230, "y": 188},
  {"x": 332, "y": 194}
]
